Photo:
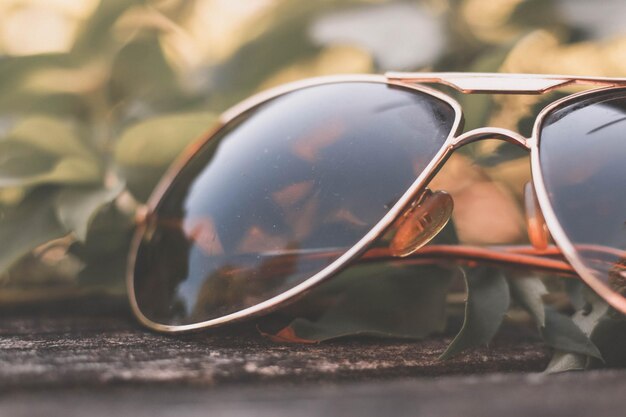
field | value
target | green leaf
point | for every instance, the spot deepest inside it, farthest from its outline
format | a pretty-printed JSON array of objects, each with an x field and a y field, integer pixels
[
  {"x": 109, "y": 230},
  {"x": 142, "y": 74},
  {"x": 561, "y": 333},
  {"x": 46, "y": 84},
  {"x": 588, "y": 319},
  {"x": 15, "y": 68},
  {"x": 537, "y": 13},
  {"x": 156, "y": 142},
  {"x": 145, "y": 150},
  {"x": 566, "y": 362},
  {"x": 488, "y": 300},
  {"x": 574, "y": 289},
  {"x": 528, "y": 291},
  {"x": 381, "y": 301},
  {"x": 72, "y": 171},
  {"x": 76, "y": 207},
  {"x": 254, "y": 62},
  {"x": 108, "y": 268},
  {"x": 95, "y": 34},
  {"x": 592, "y": 312},
  {"x": 43, "y": 150},
  {"x": 609, "y": 335},
  {"x": 56, "y": 104},
  {"x": 24, "y": 170},
  {"x": 50, "y": 135},
  {"x": 28, "y": 226},
  {"x": 556, "y": 329},
  {"x": 19, "y": 161},
  {"x": 105, "y": 250},
  {"x": 607, "y": 330}
]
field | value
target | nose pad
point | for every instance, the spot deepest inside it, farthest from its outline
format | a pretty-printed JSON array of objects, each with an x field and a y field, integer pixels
[
  {"x": 536, "y": 224},
  {"x": 421, "y": 222}
]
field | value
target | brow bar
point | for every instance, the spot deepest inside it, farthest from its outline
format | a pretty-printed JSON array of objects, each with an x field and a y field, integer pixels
[{"x": 501, "y": 83}]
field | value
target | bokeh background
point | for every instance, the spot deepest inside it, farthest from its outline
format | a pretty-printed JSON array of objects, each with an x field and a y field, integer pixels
[{"x": 98, "y": 97}]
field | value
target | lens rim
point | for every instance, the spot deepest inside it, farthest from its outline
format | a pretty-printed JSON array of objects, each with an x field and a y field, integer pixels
[
  {"x": 336, "y": 266},
  {"x": 557, "y": 231}
]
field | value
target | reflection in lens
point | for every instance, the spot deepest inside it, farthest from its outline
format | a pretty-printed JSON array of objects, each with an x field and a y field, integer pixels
[
  {"x": 583, "y": 159},
  {"x": 280, "y": 193}
]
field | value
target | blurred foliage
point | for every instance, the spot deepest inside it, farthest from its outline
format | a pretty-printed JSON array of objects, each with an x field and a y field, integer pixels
[{"x": 98, "y": 97}]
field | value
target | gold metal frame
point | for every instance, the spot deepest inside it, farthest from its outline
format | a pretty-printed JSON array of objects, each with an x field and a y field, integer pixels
[
  {"x": 550, "y": 259},
  {"x": 552, "y": 222}
]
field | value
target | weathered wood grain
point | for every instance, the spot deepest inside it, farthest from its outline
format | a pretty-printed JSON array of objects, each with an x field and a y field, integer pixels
[
  {"x": 67, "y": 349},
  {"x": 76, "y": 360},
  {"x": 492, "y": 395}
]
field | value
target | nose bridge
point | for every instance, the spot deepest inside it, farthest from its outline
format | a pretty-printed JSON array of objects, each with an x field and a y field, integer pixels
[{"x": 497, "y": 133}]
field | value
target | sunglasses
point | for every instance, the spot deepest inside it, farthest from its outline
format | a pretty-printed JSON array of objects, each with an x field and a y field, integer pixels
[{"x": 297, "y": 183}]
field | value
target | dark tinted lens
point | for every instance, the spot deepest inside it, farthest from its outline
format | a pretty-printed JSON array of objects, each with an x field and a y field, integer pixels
[
  {"x": 583, "y": 159},
  {"x": 280, "y": 193}
]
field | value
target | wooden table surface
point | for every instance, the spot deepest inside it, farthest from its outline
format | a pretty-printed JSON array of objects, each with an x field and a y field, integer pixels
[{"x": 78, "y": 361}]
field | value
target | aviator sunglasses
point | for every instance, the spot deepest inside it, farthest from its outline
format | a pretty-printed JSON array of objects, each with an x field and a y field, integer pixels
[{"x": 299, "y": 182}]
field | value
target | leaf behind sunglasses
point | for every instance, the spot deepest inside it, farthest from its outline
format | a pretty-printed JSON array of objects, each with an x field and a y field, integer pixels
[
  {"x": 145, "y": 150},
  {"x": 487, "y": 302},
  {"x": 380, "y": 301}
]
